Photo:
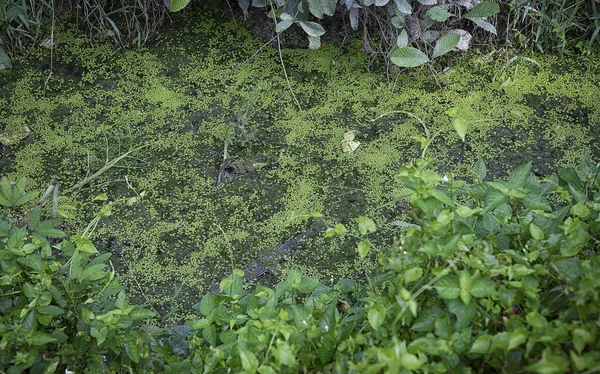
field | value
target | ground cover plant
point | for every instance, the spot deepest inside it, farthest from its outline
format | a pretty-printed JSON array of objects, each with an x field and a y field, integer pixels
[
  {"x": 284, "y": 163},
  {"x": 487, "y": 276}
]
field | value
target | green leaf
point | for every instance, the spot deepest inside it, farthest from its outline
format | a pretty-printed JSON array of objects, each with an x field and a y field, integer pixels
[
  {"x": 402, "y": 40},
  {"x": 100, "y": 335},
  {"x": 534, "y": 201},
  {"x": 308, "y": 285},
  {"x": 249, "y": 360},
  {"x": 439, "y": 13},
  {"x": 50, "y": 310},
  {"x": 460, "y": 126},
  {"x": 207, "y": 304},
  {"x": 464, "y": 313},
  {"x": 441, "y": 197},
  {"x": 133, "y": 351},
  {"x": 177, "y": 5},
  {"x": 442, "y": 326},
  {"x": 363, "y": 247},
  {"x": 580, "y": 210},
  {"x": 284, "y": 354},
  {"x": 5, "y": 62},
  {"x": 536, "y": 232},
  {"x": 283, "y": 25},
  {"x": 517, "y": 337},
  {"x": 448, "y": 287},
  {"x": 376, "y": 316},
  {"x": 366, "y": 225},
  {"x": 480, "y": 170},
  {"x": 319, "y": 8},
  {"x": 314, "y": 42},
  {"x": 493, "y": 200},
  {"x": 33, "y": 261},
  {"x": 465, "y": 211},
  {"x": 209, "y": 334},
  {"x": 549, "y": 364},
  {"x": 403, "y": 7},
  {"x": 408, "y": 57},
  {"x": 569, "y": 268},
  {"x": 413, "y": 274},
  {"x": 426, "y": 320},
  {"x": 328, "y": 320},
  {"x": 483, "y": 10},
  {"x": 312, "y": 28},
  {"x": 484, "y": 25},
  {"x": 39, "y": 338},
  {"x": 444, "y": 45},
  {"x": 518, "y": 178},
  {"x": 85, "y": 245},
  {"x": 483, "y": 287}
]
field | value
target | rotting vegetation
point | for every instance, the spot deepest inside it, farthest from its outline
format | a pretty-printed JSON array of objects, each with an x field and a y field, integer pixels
[{"x": 191, "y": 93}]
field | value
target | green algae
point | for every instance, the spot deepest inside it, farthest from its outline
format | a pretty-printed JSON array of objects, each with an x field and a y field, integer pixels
[{"x": 194, "y": 88}]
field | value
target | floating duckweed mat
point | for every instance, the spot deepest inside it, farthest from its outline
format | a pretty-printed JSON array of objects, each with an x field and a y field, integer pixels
[{"x": 233, "y": 169}]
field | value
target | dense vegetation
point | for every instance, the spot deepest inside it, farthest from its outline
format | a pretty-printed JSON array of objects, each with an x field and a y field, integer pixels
[
  {"x": 407, "y": 32},
  {"x": 462, "y": 272},
  {"x": 488, "y": 276}
]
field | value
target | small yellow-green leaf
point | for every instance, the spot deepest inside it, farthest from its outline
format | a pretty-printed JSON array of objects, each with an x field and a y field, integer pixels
[
  {"x": 536, "y": 232},
  {"x": 363, "y": 247},
  {"x": 461, "y": 125}
]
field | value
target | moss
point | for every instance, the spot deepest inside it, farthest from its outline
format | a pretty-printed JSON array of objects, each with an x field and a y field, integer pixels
[{"x": 194, "y": 90}]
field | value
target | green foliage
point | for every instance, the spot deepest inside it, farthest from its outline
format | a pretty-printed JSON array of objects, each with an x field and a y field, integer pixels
[
  {"x": 489, "y": 276},
  {"x": 61, "y": 308}
]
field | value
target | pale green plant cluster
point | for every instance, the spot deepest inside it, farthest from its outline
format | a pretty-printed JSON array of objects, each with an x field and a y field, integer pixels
[{"x": 184, "y": 95}]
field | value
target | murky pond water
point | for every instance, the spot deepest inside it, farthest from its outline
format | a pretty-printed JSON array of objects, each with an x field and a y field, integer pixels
[{"x": 195, "y": 93}]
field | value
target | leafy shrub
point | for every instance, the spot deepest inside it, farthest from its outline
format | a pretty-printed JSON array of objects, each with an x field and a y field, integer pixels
[
  {"x": 60, "y": 307},
  {"x": 488, "y": 276}
]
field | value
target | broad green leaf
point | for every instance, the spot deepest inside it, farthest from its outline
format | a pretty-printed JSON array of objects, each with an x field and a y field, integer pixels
[
  {"x": 141, "y": 313},
  {"x": 314, "y": 42},
  {"x": 319, "y": 8},
  {"x": 448, "y": 287},
  {"x": 484, "y": 25},
  {"x": 442, "y": 326},
  {"x": 465, "y": 211},
  {"x": 100, "y": 335},
  {"x": 569, "y": 268},
  {"x": 453, "y": 112},
  {"x": 209, "y": 334},
  {"x": 366, "y": 225},
  {"x": 328, "y": 320},
  {"x": 460, "y": 126},
  {"x": 439, "y": 13},
  {"x": 493, "y": 200},
  {"x": 85, "y": 245},
  {"x": 580, "y": 210},
  {"x": 308, "y": 285},
  {"x": 441, "y": 197},
  {"x": 482, "y": 344},
  {"x": 376, "y": 316},
  {"x": 33, "y": 261},
  {"x": 283, "y": 25},
  {"x": 549, "y": 364},
  {"x": 408, "y": 57},
  {"x": 286, "y": 17},
  {"x": 312, "y": 28},
  {"x": 50, "y": 310},
  {"x": 444, "y": 45},
  {"x": 480, "y": 170},
  {"x": 464, "y": 313},
  {"x": 206, "y": 305},
  {"x": 483, "y": 10},
  {"x": 285, "y": 355},
  {"x": 413, "y": 274},
  {"x": 403, "y": 7},
  {"x": 402, "y": 40},
  {"x": 482, "y": 287},
  {"x": 536, "y": 232},
  {"x": 294, "y": 278},
  {"x": 410, "y": 361},
  {"x": 517, "y": 337},
  {"x": 518, "y": 177},
  {"x": 534, "y": 201},
  {"x": 40, "y": 338},
  {"x": 177, "y": 5},
  {"x": 249, "y": 361},
  {"x": 363, "y": 247},
  {"x": 133, "y": 351},
  {"x": 426, "y": 321}
]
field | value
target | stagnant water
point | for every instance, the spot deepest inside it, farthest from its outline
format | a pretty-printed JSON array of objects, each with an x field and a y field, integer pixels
[{"x": 234, "y": 172}]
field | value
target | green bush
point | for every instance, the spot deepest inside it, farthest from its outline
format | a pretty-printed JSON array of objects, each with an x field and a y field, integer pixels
[{"x": 488, "y": 276}]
